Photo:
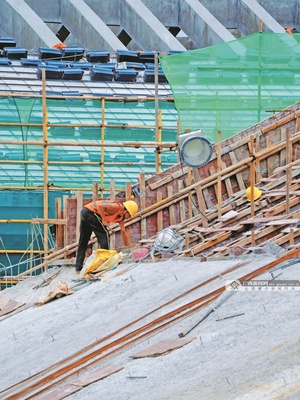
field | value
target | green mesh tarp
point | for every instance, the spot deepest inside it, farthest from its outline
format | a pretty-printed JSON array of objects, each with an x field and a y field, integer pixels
[{"x": 231, "y": 86}]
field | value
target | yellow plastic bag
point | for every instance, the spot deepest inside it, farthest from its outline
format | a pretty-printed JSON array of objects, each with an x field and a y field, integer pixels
[
  {"x": 95, "y": 261},
  {"x": 108, "y": 264}
]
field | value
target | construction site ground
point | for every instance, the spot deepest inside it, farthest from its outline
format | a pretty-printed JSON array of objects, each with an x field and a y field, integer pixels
[{"x": 247, "y": 348}]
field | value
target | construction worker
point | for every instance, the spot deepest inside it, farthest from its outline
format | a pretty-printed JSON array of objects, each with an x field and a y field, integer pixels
[{"x": 95, "y": 217}]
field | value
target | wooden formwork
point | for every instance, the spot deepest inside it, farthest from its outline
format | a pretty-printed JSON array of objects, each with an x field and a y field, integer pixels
[{"x": 198, "y": 201}]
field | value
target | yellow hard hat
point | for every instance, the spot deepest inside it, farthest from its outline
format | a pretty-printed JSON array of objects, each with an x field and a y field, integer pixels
[
  {"x": 256, "y": 193},
  {"x": 131, "y": 207}
]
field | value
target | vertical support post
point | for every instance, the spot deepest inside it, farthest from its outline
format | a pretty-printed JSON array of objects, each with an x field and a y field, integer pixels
[
  {"x": 189, "y": 182},
  {"x": 288, "y": 159},
  {"x": 219, "y": 188},
  {"x": 65, "y": 216},
  {"x": 45, "y": 165},
  {"x": 157, "y": 116},
  {"x": 128, "y": 190},
  {"x": 159, "y": 139},
  {"x": 79, "y": 205},
  {"x": 160, "y": 225},
  {"x": 257, "y": 161},
  {"x": 172, "y": 218},
  {"x": 95, "y": 191},
  {"x": 112, "y": 190},
  {"x": 200, "y": 198},
  {"x": 112, "y": 196},
  {"x": 102, "y": 147},
  {"x": 143, "y": 204},
  {"x": 59, "y": 227},
  {"x": 252, "y": 183}
]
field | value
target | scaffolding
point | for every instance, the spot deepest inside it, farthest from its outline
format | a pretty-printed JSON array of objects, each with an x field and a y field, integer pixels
[{"x": 86, "y": 147}]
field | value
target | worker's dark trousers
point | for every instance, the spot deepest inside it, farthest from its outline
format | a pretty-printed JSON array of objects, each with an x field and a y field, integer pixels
[{"x": 89, "y": 222}]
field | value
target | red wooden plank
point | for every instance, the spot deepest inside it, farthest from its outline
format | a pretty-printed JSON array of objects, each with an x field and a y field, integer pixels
[
  {"x": 163, "y": 347},
  {"x": 60, "y": 392},
  {"x": 97, "y": 375}
]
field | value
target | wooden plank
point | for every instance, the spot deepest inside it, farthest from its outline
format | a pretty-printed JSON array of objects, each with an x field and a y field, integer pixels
[
  {"x": 182, "y": 209},
  {"x": 270, "y": 166},
  {"x": 55, "y": 221},
  {"x": 169, "y": 178},
  {"x": 18, "y": 310},
  {"x": 8, "y": 305},
  {"x": 97, "y": 375},
  {"x": 219, "y": 183},
  {"x": 231, "y": 214},
  {"x": 281, "y": 207},
  {"x": 227, "y": 183},
  {"x": 257, "y": 161},
  {"x": 186, "y": 240},
  {"x": 239, "y": 178},
  {"x": 163, "y": 347},
  {"x": 283, "y": 222},
  {"x": 59, "y": 228},
  {"x": 128, "y": 190},
  {"x": 60, "y": 392},
  {"x": 256, "y": 220},
  {"x": 288, "y": 160},
  {"x": 224, "y": 229},
  {"x": 217, "y": 189},
  {"x": 218, "y": 249},
  {"x": 282, "y": 193},
  {"x": 159, "y": 214},
  {"x": 64, "y": 215},
  {"x": 95, "y": 191},
  {"x": 112, "y": 196},
  {"x": 189, "y": 182},
  {"x": 288, "y": 230},
  {"x": 262, "y": 180},
  {"x": 143, "y": 204},
  {"x": 200, "y": 198},
  {"x": 172, "y": 218},
  {"x": 210, "y": 243},
  {"x": 79, "y": 198},
  {"x": 252, "y": 183}
]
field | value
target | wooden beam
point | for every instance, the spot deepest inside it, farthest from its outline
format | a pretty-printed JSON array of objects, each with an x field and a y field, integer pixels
[
  {"x": 59, "y": 227},
  {"x": 143, "y": 204},
  {"x": 79, "y": 205},
  {"x": 224, "y": 229},
  {"x": 50, "y": 221}
]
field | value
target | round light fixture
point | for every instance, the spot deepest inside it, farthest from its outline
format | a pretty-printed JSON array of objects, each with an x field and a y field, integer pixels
[{"x": 195, "y": 150}]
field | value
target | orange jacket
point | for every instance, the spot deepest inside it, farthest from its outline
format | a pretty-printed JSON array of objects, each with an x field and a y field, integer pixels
[{"x": 109, "y": 210}]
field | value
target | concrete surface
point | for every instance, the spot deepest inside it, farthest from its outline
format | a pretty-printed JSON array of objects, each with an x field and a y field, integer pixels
[{"x": 246, "y": 349}]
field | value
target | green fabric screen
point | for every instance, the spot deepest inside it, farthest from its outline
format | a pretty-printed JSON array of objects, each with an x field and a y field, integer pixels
[{"x": 231, "y": 86}]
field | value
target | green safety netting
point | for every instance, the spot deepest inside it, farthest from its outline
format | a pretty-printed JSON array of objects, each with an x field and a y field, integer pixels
[
  {"x": 78, "y": 166},
  {"x": 231, "y": 86}
]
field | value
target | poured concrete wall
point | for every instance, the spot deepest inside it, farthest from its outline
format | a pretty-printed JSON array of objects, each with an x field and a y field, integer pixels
[
  {"x": 49, "y": 11},
  {"x": 97, "y": 24},
  {"x": 200, "y": 25},
  {"x": 145, "y": 28},
  {"x": 252, "y": 14},
  {"x": 85, "y": 24},
  {"x": 19, "y": 20}
]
